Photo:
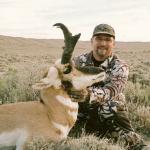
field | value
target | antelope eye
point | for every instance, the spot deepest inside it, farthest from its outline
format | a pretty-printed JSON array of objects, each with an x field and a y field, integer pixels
[{"x": 67, "y": 69}]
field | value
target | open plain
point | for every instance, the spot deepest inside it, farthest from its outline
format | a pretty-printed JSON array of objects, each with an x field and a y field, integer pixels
[{"x": 24, "y": 61}]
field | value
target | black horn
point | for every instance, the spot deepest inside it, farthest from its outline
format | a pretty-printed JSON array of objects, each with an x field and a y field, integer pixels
[{"x": 70, "y": 42}]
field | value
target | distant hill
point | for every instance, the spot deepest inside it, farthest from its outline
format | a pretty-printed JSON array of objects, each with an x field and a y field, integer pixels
[
  {"x": 136, "y": 54},
  {"x": 29, "y": 45}
]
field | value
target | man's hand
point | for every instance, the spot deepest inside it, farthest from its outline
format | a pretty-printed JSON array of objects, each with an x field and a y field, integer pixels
[{"x": 96, "y": 95}]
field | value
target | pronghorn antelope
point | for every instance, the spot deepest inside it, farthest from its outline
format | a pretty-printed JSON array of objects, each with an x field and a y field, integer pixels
[{"x": 53, "y": 116}]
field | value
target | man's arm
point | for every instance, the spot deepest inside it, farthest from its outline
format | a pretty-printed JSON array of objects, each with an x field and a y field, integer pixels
[{"x": 115, "y": 85}]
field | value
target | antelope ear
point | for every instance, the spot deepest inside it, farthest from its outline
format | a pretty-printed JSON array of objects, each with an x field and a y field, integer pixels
[{"x": 52, "y": 79}]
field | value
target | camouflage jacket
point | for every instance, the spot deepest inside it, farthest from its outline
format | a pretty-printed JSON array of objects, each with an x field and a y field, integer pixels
[{"x": 116, "y": 77}]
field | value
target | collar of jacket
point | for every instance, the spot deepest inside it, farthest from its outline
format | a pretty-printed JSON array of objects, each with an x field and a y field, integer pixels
[{"x": 105, "y": 64}]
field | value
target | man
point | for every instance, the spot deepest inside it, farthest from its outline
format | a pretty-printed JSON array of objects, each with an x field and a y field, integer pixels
[{"x": 106, "y": 115}]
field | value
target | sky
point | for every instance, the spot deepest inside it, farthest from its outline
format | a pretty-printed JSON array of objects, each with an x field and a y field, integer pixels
[{"x": 35, "y": 18}]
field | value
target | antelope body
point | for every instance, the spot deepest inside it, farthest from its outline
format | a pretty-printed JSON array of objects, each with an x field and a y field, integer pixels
[{"x": 53, "y": 116}]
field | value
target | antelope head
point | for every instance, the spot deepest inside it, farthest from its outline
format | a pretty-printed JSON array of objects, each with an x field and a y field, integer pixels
[{"x": 65, "y": 72}]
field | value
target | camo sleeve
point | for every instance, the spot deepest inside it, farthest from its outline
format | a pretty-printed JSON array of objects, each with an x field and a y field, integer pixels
[{"x": 115, "y": 84}]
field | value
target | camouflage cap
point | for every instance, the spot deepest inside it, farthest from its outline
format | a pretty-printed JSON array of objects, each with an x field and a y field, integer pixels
[{"x": 104, "y": 29}]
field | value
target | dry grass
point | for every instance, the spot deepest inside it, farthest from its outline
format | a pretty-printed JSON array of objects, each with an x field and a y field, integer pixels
[
  {"x": 88, "y": 142},
  {"x": 15, "y": 85}
]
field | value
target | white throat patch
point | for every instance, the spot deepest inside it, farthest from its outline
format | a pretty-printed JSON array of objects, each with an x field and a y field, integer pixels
[{"x": 67, "y": 102}]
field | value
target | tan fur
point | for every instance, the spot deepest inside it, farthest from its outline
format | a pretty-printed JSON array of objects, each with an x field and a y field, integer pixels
[{"x": 36, "y": 117}]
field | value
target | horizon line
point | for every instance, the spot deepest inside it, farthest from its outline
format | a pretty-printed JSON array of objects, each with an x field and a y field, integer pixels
[{"x": 36, "y": 38}]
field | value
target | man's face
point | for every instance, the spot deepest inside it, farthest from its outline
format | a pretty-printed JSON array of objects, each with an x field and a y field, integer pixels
[{"x": 102, "y": 46}]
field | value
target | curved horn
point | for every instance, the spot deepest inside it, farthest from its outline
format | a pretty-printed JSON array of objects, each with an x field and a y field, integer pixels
[
  {"x": 70, "y": 42},
  {"x": 90, "y": 69}
]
